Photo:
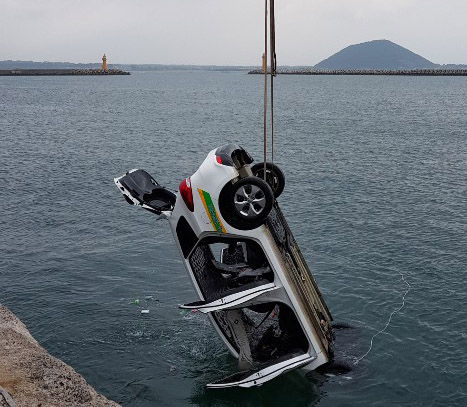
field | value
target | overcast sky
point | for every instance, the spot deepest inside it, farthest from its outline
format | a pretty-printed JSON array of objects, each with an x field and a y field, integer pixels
[{"x": 223, "y": 32}]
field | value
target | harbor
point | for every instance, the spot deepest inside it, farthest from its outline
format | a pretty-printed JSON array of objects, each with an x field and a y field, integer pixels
[
  {"x": 384, "y": 172},
  {"x": 300, "y": 242}
]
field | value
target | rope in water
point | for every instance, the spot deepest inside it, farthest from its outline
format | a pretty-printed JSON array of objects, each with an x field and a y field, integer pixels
[{"x": 389, "y": 320}]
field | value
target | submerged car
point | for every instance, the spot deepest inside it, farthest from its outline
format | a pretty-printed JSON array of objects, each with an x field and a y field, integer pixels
[{"x": 245, "y": 265}]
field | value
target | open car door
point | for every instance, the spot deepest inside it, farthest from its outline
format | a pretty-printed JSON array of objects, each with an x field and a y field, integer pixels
[
  {"x": 263, "y": 373},
  {"x": 139, "y": 188},
  {"x": 233, "y": 298}
]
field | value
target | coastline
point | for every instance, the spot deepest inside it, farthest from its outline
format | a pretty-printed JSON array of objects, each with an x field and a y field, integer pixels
[{"x": 31, "y": 377}]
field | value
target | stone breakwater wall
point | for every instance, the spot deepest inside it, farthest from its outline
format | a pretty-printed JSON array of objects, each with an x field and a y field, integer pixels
[
  {"x": 401, "y": 72},
  {"x": 61, "y": 72},
  {"x": 31, "y": 377}
]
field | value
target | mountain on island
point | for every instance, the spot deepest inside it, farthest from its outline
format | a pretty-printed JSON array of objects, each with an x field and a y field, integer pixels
[{"x": 378, "y": 54}]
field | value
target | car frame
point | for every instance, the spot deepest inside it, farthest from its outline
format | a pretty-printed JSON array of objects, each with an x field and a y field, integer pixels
[{"x": 245, "y": 265}]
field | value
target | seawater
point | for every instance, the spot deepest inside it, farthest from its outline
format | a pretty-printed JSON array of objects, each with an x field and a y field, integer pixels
[{"x": 376, "y": 172}]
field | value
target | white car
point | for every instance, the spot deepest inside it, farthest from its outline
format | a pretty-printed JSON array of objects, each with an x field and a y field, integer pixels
[{"x": 245, "y": 265}]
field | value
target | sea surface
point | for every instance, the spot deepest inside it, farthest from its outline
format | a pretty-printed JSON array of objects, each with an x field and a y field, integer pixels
[{"x": 376, "y": 196}]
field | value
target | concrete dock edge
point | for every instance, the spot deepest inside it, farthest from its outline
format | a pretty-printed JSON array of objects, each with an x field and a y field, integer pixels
[{"x": 31, "y": 377}]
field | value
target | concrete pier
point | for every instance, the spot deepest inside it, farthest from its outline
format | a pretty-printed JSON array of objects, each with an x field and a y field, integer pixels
[
  {"x": 31, "y": 377},
  {"x": 402, "y": 72},
  {"x": 61, "y": 72}
]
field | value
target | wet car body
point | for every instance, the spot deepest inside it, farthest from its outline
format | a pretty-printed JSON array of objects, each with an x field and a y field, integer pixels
[{"x": 245, "y": 265}]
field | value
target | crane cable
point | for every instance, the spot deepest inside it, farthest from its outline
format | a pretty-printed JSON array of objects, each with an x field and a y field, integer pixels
[
  {"x": 265, "y": 66},
  {"x": 272, "y": 32},
  {"x": 273, "y": 68}
]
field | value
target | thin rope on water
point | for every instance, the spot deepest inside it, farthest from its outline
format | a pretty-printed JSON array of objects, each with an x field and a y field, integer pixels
[{"x": 389, "y": 320}]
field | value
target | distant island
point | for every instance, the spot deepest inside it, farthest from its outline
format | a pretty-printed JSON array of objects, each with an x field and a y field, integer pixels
[{"x": 379, "y": 55}]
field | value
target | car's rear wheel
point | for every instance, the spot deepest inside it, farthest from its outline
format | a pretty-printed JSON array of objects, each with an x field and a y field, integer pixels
[
  {"x": 246, "y": 204},
  {"x": 274, "y": 176}
]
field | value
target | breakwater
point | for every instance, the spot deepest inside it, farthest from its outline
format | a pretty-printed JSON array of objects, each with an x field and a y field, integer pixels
[
  {"x": 30, "y": 376},
  {"x": 400, "y": 72},
  {"x": 61, "y": 72}
]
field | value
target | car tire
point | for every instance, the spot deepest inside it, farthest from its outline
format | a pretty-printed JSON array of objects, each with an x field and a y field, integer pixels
[
  {"x": 274, "y": 176},
  {"x": 246, "y": 204}
]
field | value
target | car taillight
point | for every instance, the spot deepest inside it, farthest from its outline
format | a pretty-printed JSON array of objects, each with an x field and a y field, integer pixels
[
  {"x": 218, "y": 159},
  {"x": 187, "y": 194}
]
